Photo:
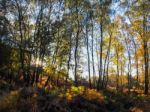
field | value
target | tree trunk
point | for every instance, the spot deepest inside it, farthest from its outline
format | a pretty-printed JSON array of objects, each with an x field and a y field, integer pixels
[
  {"x": 146, "y": 55},
  {"x": 117, "y": 77},
  {"x": 101, "y": 51},
  {"x": 88, "y": 56},
  {"x": 76, "y": 46},
  {"x": 93, "y": 63},
  {"x": 146, "y": 67}
]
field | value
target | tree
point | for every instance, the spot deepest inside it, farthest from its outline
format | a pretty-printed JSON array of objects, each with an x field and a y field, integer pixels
[{"x": 140, "y": 9}]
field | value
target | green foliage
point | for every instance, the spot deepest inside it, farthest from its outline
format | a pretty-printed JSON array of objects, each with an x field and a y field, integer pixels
[{"x": 49, "y": 69}]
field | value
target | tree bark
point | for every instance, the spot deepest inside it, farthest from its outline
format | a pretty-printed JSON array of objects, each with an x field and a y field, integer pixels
[{"x": 88, "y": 56}]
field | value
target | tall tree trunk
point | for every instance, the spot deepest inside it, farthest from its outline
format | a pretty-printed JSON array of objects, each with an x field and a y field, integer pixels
[
  {"x": 75, "y": 56},
  {"x": 98, "y": 63},
  {"x": 88, "y": 56},
  {"x": 101, "y": 51},
  {"x": 146, "y": 62},
  {"x": 69, "y": 57},
  {"x": 146, "y": 56},
  {"x": 76, "y": 46},
  {"x": 93, "y": 63},
  {"x": 117, "y": 77},
  {"x": 121, "y": 83}
]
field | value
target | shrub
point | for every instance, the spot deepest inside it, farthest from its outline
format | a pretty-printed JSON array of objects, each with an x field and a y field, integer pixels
[{"x": 93, "y": 95}]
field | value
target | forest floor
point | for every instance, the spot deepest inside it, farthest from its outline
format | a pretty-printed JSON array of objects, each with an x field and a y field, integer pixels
[{"x": 70, "y": 99}]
